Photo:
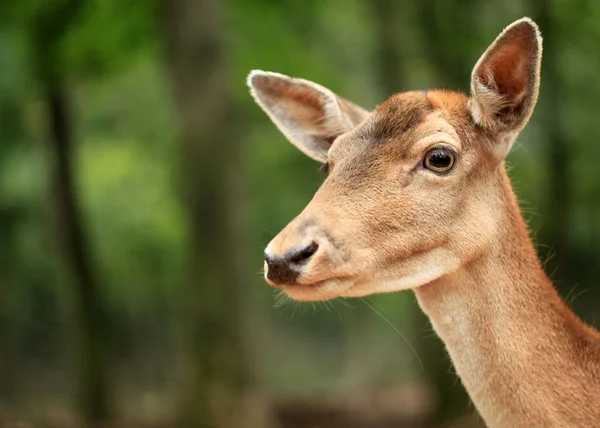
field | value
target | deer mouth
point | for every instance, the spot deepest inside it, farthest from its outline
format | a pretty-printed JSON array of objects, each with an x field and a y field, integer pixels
[{"x": 326, "y": 289}]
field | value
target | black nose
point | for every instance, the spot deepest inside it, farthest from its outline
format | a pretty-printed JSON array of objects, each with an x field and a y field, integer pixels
[{"x": 284, "y": 270}]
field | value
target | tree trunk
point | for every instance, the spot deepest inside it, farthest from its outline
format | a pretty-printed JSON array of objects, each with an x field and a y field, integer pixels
[
  {"x": 92, "y": 394},
  {"x": 209, "y": 153},
  {"x": 46, "y": 30},
  {"x": 448, "y": 35},
  {"x": 389, "y": 68}
]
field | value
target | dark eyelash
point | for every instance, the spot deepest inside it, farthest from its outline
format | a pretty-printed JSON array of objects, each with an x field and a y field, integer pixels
[{"x": 324, "y": 168}]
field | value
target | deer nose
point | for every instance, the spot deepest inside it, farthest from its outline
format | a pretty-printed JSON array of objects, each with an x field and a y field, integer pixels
[{"x": 286, "y": 269}]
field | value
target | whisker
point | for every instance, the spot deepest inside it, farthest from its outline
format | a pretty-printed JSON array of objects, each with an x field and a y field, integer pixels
[
  {"x": 339, "y": 315},
  {"x": 576, "y": 295},
  {"x": 331, "y": 304},
  {"x": 345, "y": 303},
  {"x": 395, "y": 329},
  {"x": 281, "y": 299}
]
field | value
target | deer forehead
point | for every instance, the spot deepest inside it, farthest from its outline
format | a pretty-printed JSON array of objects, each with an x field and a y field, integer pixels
[{"x": 405, "y": 125}]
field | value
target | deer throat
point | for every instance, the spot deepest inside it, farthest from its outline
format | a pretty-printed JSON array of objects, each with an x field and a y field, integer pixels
[{"x": 519, "y": 351}]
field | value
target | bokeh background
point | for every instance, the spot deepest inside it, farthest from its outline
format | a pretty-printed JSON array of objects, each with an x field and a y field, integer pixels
[{"x": 139, "y": 184}]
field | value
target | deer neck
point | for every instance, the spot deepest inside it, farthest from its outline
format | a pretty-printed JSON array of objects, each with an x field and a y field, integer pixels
[{"x": 522, "y": 355}]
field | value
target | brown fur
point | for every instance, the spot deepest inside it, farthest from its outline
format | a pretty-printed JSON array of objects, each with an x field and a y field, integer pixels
[{"x": 383, "y": 222}]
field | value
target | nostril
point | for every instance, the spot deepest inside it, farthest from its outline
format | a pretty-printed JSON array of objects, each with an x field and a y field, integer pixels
[
  {"x": 310, "y": 250},
  {"x": 304, "y": 254}
]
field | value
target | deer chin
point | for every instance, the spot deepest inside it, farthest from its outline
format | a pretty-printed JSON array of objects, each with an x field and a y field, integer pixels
[
  {"x": 408, "y": 274},
  {"x": 319, "y": 291},
  {"x": 381, "y": 286}
]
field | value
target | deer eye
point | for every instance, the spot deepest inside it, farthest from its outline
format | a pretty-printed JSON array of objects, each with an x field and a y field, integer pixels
[{"x": 439, "y": 160}]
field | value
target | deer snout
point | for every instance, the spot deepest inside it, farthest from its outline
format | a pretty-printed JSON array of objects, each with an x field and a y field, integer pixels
[
  {"x": 285, "y": 269},
  {"x": 293, "y": 254}
]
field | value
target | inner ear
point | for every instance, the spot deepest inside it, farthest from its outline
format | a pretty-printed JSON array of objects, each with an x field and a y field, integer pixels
[
  {"x": 309, "y": 107},
  {"x": 505, "y": 80},
  {"x": 506, "y": 74},
  {"x": 309, "y": 115}
]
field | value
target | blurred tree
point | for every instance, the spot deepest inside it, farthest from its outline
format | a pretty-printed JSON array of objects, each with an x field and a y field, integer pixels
[
  {"x": 67, "y": 38},
  {"x": 391, "y": 73},
  {"x": 11, "y": 212},
  {"x": 209, "y": 152},
  {"x": 47, "y": 28},
  {"x": 92, "y": 335},
  {"x": 447, "y": 30}
]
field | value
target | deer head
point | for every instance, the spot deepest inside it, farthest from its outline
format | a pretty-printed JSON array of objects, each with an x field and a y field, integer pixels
[{"x": 414, "y": 187}]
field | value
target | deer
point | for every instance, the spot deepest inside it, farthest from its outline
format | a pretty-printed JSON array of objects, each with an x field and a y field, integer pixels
[{"x": 417, "y": 197}]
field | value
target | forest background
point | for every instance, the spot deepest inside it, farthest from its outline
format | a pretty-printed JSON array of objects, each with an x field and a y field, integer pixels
[{"x": 139, "y": 184}]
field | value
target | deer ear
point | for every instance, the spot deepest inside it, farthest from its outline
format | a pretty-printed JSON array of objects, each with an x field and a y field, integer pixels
[
  {"x": 309, "y": 115},
  {"x": 505, "y": 81}
]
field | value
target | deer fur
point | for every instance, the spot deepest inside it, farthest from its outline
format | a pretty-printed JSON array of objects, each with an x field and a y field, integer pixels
[{"x": 383, "y": 221}]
